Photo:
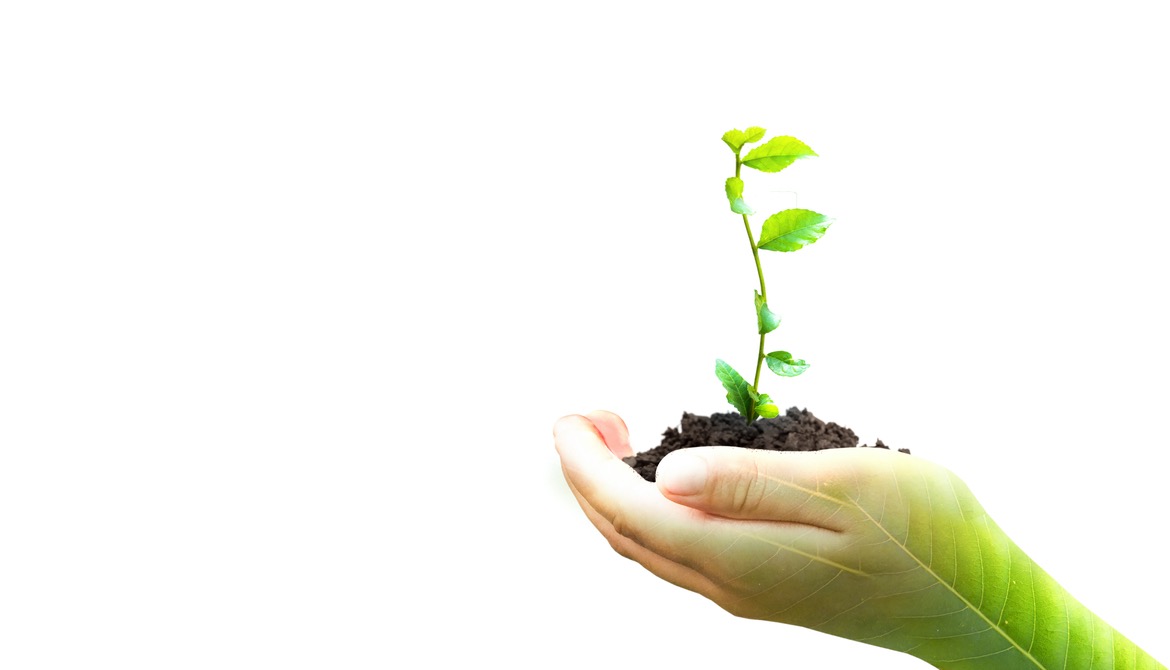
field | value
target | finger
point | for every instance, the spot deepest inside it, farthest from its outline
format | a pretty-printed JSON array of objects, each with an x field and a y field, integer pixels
[
  {"x": 737, "y": 556},
  {"x": 717, "y": 547},
  {"x": 810, "y": 488},
  {"x": 583, "y": 448},
  {"x": 613, "y": 430},
  {"x": 630, "y": 505},
  {"x": 660, "y": 566}
]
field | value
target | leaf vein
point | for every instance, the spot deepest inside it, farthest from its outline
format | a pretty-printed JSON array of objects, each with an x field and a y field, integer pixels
[{"x": 957, "y": 594}]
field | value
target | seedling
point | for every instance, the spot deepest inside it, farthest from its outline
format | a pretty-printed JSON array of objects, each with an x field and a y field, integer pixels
[{"x": 789, "y": 230}]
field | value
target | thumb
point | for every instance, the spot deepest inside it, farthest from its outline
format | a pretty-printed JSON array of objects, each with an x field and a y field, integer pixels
[{"x": 798, "y": 487}]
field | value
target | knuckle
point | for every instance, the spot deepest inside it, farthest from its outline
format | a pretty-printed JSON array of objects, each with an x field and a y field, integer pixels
[
  {"x": 622, "y": 525},
  {"x": 746, "y": 490},
  {"x": 621, "y": 547}
]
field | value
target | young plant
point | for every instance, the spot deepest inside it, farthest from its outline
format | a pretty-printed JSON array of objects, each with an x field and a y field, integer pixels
[{"x": 789, "y": 230}]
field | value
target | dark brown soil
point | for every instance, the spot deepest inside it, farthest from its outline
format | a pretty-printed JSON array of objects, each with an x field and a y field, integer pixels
[{"x": 797, "y": 430}]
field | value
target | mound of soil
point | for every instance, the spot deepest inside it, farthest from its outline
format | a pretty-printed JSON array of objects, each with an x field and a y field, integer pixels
[{"x": 796, "y": 430}]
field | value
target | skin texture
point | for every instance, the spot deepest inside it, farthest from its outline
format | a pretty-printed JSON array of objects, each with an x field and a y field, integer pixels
[{"x": 867, "y": 544}]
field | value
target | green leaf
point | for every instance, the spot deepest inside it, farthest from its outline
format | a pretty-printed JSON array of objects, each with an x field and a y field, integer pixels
[
  {"x": 792, "y": 229},
  {"x": 783, "y": 364},
  {"x": 734, "y": 188},
  {"x": 764, "y": 406},
  {"x": 736, "y": 138},
  {"x": 739, "y": 394},
  {"x": 776, "y": 154},
  {"x": 766, "y": 319}
]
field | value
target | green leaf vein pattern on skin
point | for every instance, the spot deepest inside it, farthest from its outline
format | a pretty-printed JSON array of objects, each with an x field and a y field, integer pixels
[{"x": 939, "y": 579}]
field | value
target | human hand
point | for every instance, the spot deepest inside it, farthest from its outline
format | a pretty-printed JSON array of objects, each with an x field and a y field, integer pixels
[{"x": 867, "y": 544}]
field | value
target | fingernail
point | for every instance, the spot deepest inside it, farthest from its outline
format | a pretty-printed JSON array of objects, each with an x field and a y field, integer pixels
[{"x": 682, "y": 473}]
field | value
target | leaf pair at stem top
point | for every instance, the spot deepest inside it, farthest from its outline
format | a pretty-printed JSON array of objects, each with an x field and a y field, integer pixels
[{"x": 788, "y": 230}]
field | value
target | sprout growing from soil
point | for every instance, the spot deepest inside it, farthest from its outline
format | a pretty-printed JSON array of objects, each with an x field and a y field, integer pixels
[{"x": 788, "y": 230}]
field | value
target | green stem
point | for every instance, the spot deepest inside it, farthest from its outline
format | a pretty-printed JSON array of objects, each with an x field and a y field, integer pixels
[
  {"x": 763, "y": 295},
  {"x": 763, "y": 289}
]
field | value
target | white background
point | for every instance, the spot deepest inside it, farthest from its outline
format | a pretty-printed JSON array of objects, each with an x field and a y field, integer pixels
[{"x": 292, "y": 293}]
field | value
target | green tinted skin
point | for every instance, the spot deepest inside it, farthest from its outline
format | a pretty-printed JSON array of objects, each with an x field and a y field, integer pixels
[
  {"x": 786, "y": 231},
  {"x": 900, "y": 554},
  {"x": 867, "y": 544}
]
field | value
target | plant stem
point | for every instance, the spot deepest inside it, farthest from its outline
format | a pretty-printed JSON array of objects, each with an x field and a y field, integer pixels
[
  {"x": 763, "y": 289},
  {"x": 763, "y": 295}
]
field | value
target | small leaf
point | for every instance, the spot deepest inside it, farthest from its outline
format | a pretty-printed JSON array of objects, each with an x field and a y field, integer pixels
[
  {"x": 783, "y": 364},
  {"x": 738, "y": 391},
  {"x": 792, "y": 229},
  {"x": 735, "y": 139},
  {"x": 776, "y": 154},
  {"x": 764, "y": 405},
  {"x": 734, "y": 188},
  {"x": 766, "y": 319}
]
